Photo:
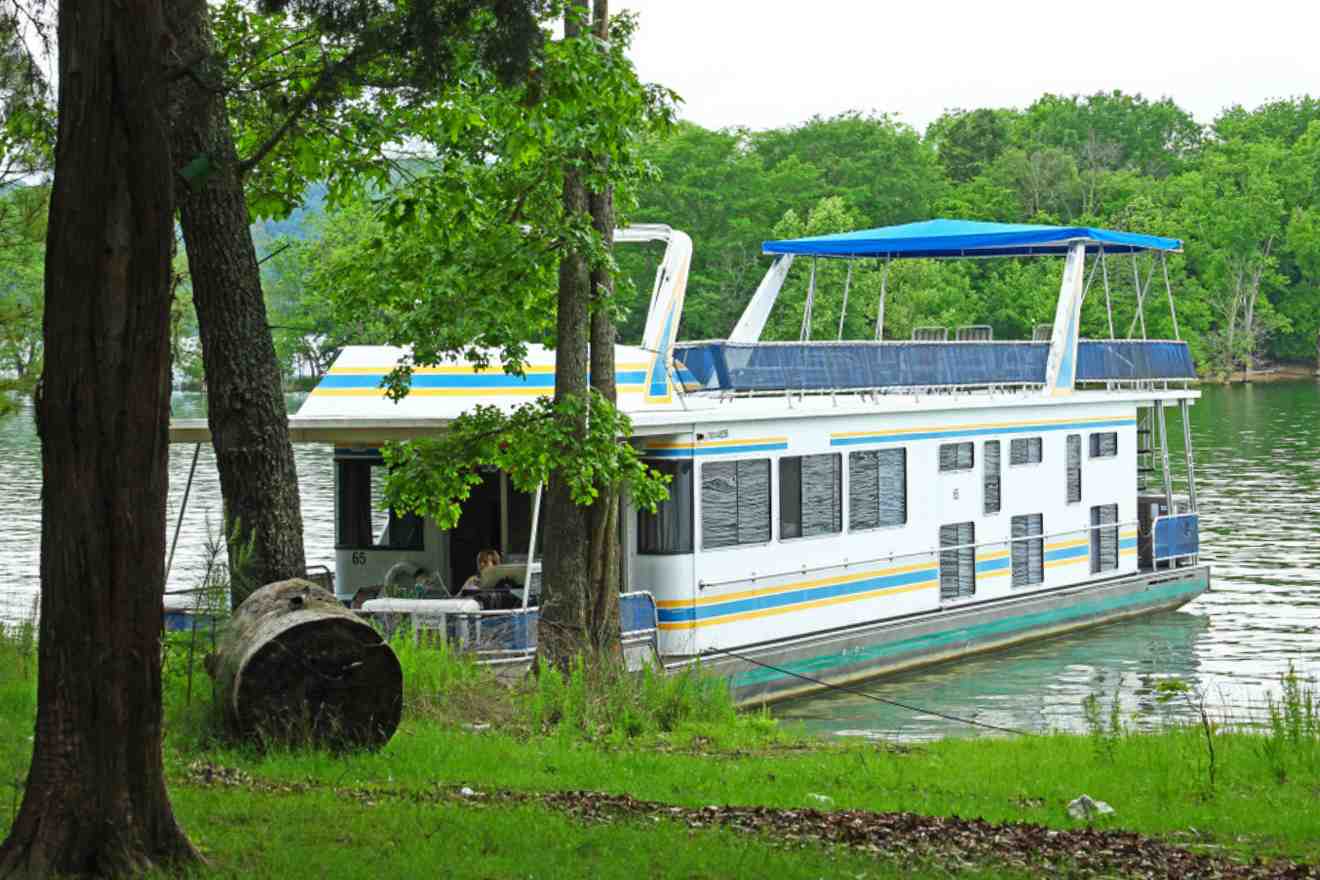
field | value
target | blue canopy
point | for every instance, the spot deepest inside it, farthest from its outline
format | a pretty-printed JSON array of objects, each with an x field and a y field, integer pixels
[{"x": 967, "y": 238}]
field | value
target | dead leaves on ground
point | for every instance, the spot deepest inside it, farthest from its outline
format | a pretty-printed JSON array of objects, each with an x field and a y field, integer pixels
[{"x": 948, "y": 841}]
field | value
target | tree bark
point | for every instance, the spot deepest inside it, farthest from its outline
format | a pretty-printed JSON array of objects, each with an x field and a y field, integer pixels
[
  {"x": 562, "y": 629},
  {"x": 603, "y": 608},
  {"x": 245, "y": 402},
  {"x": 296, "y": 666},
  {"x": 95, "y": 801}
]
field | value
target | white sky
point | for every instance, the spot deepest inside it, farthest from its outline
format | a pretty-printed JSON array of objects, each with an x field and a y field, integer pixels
[{"x": 769, "y": 63}]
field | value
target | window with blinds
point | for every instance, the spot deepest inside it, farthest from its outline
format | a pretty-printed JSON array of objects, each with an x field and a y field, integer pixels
[
  {"x": 1104, "y": 541},
  {"x": 1025, "y": 450},
  {"x": 1028, "y": 550},
  {"x": 1104, "y": 444},
  {"x": 810, "y": 495},
  {"x": 958, "y": 565},
  {"x": 1074, "y": 468},
  {"x": 993, "y": 481},
  {"x": 956, "y": 457},
  {"x": 877, "y": 489},
  {"x": 735, "y": 503},
  {"x": 669, "y": 529}
]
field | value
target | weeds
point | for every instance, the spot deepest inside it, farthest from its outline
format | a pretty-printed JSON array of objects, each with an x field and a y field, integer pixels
[
  {"x": 1292, "y": 737},
  {"x": 1106, "y": 728}
]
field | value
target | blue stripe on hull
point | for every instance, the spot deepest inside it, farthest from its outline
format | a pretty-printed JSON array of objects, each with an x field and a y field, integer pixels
[{"x": 810, "y": 594}]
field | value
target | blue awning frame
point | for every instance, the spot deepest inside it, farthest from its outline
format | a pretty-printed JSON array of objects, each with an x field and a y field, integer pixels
[{"x": 963, "y": 239}]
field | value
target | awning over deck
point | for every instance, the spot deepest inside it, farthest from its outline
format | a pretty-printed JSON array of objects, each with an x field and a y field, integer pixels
[
  {"x": 967, "y": 238},
  {"x": 825, "y": 366}
]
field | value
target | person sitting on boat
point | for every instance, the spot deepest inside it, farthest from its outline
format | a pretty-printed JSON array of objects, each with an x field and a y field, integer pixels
[{"x": 485, "y": 559}]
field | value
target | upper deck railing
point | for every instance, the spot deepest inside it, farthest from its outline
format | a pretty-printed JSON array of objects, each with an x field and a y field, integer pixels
[{"x": 813, "y": 367}]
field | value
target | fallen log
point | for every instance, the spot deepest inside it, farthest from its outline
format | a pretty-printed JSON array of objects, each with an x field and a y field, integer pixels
[{"x": 295, "y": 666}]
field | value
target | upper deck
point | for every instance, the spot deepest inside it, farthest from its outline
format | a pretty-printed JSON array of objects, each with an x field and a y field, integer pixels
[{"x": 886, "y": 367}]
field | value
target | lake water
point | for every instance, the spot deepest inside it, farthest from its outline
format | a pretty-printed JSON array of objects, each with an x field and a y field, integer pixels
[{"x": 1258, "y": 478}]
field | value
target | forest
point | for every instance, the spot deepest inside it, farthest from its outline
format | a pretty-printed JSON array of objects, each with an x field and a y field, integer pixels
[{"x": 1243, "y": 193}]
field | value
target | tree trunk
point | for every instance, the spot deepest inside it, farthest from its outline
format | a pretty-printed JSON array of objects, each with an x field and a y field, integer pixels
[
  {"x": 562, "y": 632},
  {"x": 245, "y": 403},
  {"x": 95, "y": 801},
  {"x": 603, "y": 608},
  {"x": 296, "y": 666}
]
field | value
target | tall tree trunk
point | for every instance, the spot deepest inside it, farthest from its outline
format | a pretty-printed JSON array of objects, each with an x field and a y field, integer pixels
[
  {"x": 245, "y": 405},
  {"x": 603, "y": 610},
  {"x": 562, "y": 633},
  {"x": 95, "y": 801}
]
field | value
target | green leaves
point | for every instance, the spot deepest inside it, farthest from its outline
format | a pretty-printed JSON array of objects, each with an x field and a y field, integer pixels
[{"x": 433, "y": 476}]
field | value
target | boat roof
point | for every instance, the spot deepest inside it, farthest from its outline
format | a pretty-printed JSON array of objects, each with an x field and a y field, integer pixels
[{"x": 968, "y": 238}]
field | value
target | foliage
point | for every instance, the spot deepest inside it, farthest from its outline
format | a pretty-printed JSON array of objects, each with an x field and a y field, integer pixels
[
  {"x": 27, "y": 114},
  {"x": 433, "y": 476},
  {"x": 22, "y": 274}
]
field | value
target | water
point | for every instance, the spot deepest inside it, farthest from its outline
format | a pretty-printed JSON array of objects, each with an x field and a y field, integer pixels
[
  {"x": 203, "y": 521},
  {"x": 1258, "y": 469},
  {"x": 1258, "y": 485}
]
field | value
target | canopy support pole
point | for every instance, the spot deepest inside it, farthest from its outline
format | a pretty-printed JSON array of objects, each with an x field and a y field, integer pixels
[
  {"x": 1089, "y": 279},
  {"x": 880, "y": 315},
  {"x": 1109, "y": 303},
  {"x": 1141, "y": 295},
  {"x": 805, "y": 333},
  {"x": 1173, "y": 311},
  {"x": 843, "y": 312},
  {"x": 531, "y": 547}
]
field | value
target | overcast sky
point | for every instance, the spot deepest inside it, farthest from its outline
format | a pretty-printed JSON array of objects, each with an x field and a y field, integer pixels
[{"x": 768, "y": 63}]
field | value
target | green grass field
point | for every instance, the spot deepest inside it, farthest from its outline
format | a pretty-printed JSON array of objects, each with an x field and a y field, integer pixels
[{"x": 310, "y": 813}]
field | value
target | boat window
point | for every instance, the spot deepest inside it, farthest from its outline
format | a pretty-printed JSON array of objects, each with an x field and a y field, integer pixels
[
  {"x": 1104, "y": 444},
  {"x": 1104, "y": 541},
  {"x": 877, "y": 489},
  {"x": 956, "y": 457},
  {"x": 1028, "y": 550},
  {"x": 1025, "y": 450},
  {"x": 993, "y": 483},
  {"x": 735, "y": 503},
  {"x": 958, "y": 565},
  {"x": 363, "y": 522},
  {"x": 669, "y": 529},
  {"x": 810, "y": 495},
  {"x": 1074, "y": 480}
]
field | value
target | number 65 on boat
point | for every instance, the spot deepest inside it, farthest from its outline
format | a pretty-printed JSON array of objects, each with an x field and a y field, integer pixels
[{"x": 839, "y": 508}]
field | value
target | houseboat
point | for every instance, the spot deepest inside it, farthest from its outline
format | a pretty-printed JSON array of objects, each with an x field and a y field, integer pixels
[{"x": 838, "y": 509}]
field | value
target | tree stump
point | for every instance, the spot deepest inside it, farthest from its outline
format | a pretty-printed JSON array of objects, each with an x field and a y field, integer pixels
[{"x": 295, "y": 666}]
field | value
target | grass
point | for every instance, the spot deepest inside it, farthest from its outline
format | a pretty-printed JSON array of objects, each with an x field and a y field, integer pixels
[
  {"x": 318, "y": 835},
  {"x": 678, "y": 740}
]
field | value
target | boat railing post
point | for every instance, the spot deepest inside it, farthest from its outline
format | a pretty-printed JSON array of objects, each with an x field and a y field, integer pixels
[
  {"x": 531, "y": 547},
  {"x": 1164, "y": 455},
  {"x": 1184, "y": 409}
]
